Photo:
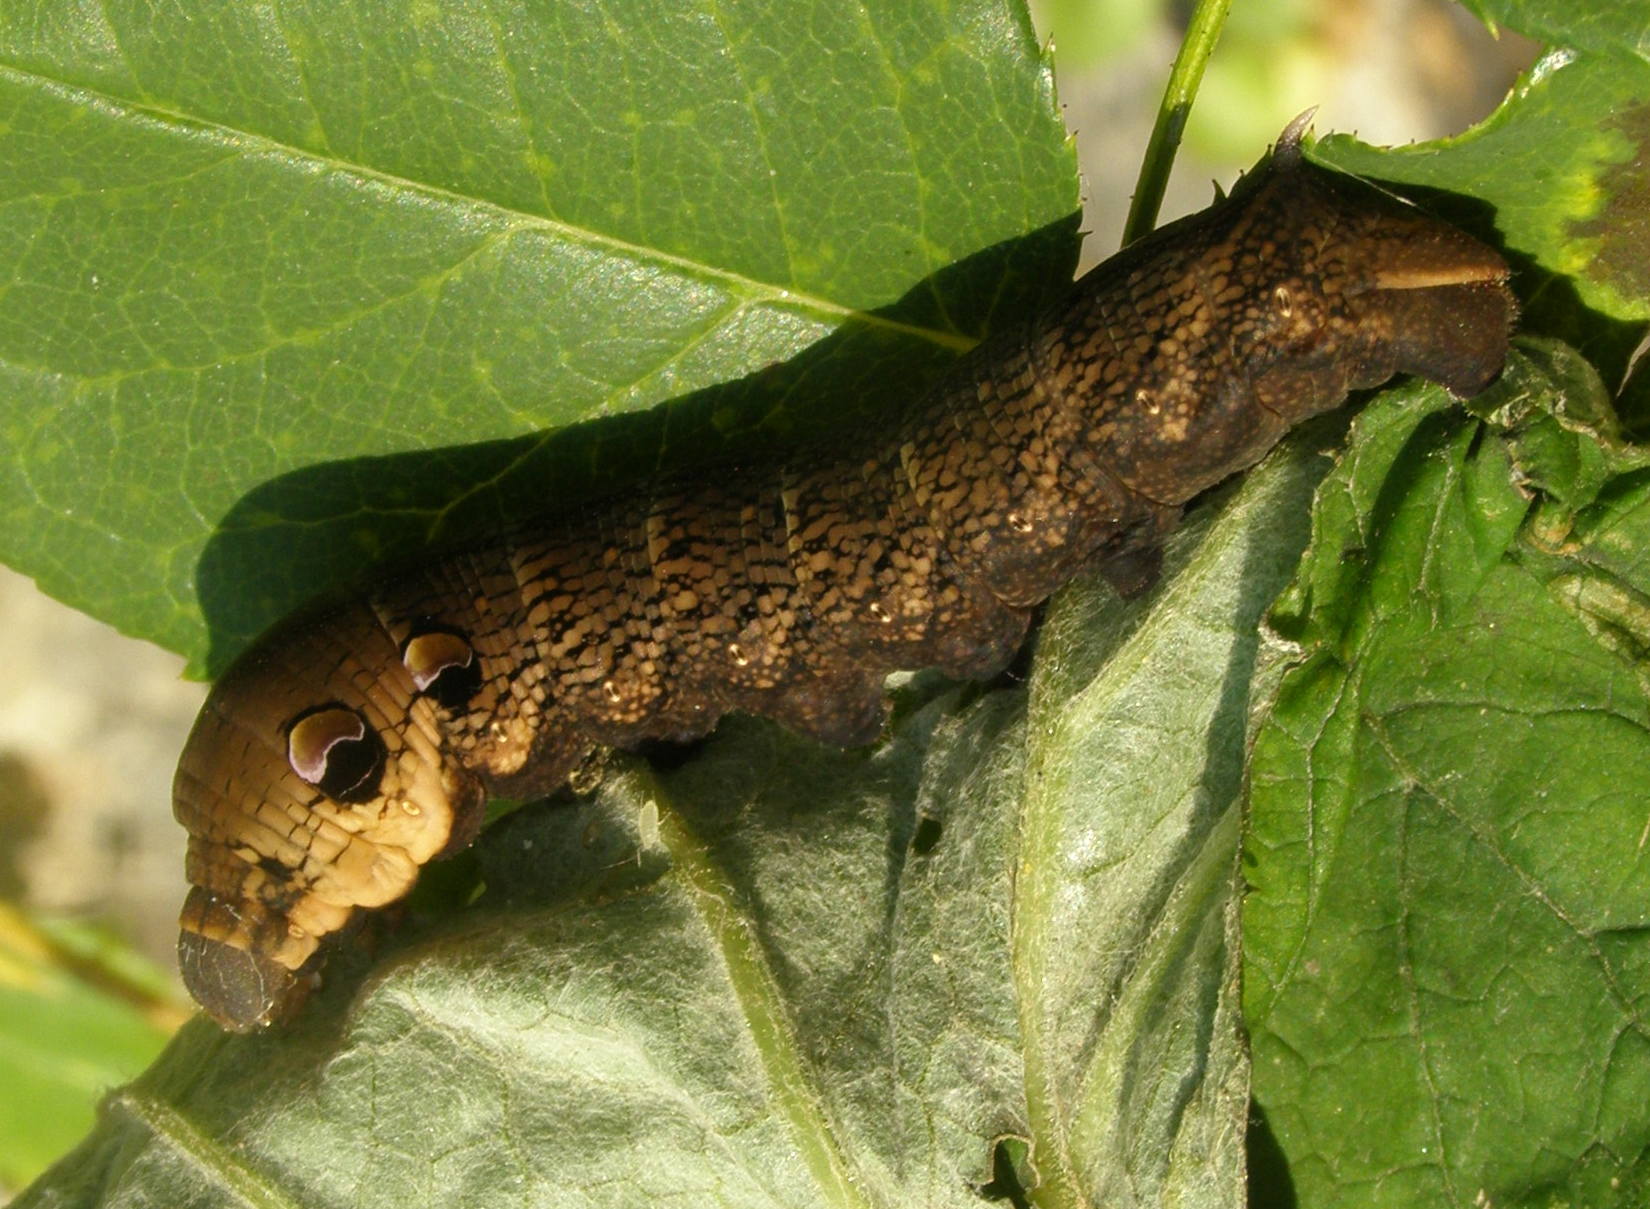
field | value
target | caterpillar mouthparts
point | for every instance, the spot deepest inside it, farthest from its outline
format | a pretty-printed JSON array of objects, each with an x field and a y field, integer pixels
[{"x": 349, "y": 747}]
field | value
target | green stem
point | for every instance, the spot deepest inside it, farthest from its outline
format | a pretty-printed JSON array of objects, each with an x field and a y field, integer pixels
[{"x": 1202, "y": 32}]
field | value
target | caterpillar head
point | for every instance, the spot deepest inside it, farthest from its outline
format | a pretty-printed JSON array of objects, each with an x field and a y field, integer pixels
[{"x": 312, "y": 784}]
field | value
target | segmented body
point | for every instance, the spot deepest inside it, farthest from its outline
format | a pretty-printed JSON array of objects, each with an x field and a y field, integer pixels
[{"x": 350, "y": 747}]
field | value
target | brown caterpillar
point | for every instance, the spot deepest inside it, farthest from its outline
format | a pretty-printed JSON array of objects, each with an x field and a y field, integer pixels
[{"x": 349, "y": 747}]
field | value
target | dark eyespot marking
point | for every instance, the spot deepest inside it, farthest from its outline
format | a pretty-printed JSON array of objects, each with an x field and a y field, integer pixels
[
  {"x": 333, "y": 748},
  {"x": 443, "y": 666}
]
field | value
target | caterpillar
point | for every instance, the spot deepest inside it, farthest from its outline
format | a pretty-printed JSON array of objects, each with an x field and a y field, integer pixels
[{"x": 353, "y": 744}]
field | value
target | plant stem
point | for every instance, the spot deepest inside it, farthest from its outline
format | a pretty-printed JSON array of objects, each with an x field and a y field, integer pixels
[{"x": 1202, "y": 32}]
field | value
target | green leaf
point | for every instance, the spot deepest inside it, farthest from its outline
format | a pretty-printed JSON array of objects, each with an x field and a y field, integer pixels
[
  {"x": 78, "y": 1016},
  {"x": 293, "y": 291},
  {"x": 1609, "y": 26},
  {"x": 1125, "y": 942},
  {"x": 1442, "y": 977},
  {"x": 1446, "y": 930},
  {"x": 783, "y": 974},
  {"x": 1556, "y": 175}
]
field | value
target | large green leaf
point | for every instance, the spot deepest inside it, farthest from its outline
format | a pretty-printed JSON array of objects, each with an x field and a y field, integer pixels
[
  {"x": 1446, "y": 936},
  {"x": 782, "y": 975},
  {"x": 267, "y": 267},
  {"x": 1443, "y": 944}
]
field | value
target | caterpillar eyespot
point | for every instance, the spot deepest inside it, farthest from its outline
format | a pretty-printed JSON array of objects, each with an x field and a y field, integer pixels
[
  {"x": 348, "y": 748},
  {"x": 331, "y": 747},
  {"x": 442, "y": 664}
]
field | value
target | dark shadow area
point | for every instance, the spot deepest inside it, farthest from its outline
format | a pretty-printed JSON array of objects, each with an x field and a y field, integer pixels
[
  {"x": 927, "y": 835},
  {"x": 308, "y": 534},
  {"x": 1006, "y": 1186},
  {"x": 1552, "y": 307},
  {"x": 1270, "y": 1184},
  {"x": 1633, "y": 399},
  {"x": 664, "y": 755}
]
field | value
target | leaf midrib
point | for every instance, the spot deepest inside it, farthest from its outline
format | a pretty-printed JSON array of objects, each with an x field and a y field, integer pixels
[
  {"x": 190, "y": 1144},
  {"x": 792, "y": 1082}
]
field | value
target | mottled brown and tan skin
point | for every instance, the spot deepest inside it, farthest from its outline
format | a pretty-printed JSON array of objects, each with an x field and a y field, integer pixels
[{"x": 350, "y": 747}]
